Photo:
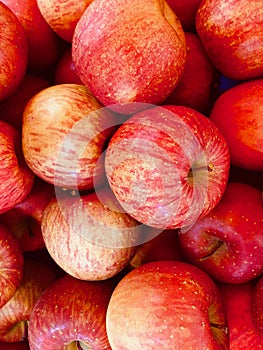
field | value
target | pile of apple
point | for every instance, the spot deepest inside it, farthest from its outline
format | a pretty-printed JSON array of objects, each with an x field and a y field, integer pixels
[{"x": 131, "y": 167}]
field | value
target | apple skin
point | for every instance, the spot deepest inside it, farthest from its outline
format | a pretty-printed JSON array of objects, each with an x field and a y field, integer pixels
[
  {"x": 238, "y": 115},
  {"x": 15, "y": 314},
  {"x": 89, "y": 236},
  {"x": 71, "y": 310},
  {"x": 186, "y": 12},
  {"x": 228, "y": 242},
  {"x": 43, "y": 45},
  {"x": 238, "y": 304},
  {"x": 24, "y": 220},
  {"x": 12, "y": 108},
  {"x": 65, "y": 72},
  {"x": 11, "y": 265},
  {"x": 64, "y": 134},
  {"x": 232, "y": 34},
  {"x": 122, "y": 63},
  {"x": 14, "y": 52},
  {"x": 62, "y": 17},
  {"x": 167, "y": 166},
  {"x": 167, "y": 305},
  {"x": 194, "y": 88},
  {"x": 157, "y": 246},
  {"x": 16, "y": 178},
  {"x": 257, "y": 306}
]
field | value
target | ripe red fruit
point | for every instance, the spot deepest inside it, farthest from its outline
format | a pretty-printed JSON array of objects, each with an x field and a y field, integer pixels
[
  {"x": 14, "y": 52},
  {"x": 232, "y": 34},
  {"x": 238, "y": 115}
]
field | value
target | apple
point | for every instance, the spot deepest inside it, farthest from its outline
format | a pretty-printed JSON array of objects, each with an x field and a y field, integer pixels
[
  {"x": 186, "y": 12},
  {"x": 11, "y": 109},
  {"x": 238, "y": 303},
  {"x": 157, "y": 246},
  {"x": 167, "y": 166},
  {"x": 232, "y": 35},
  {"x": 71, "y": 314},
  {"x": 166, "y": 305},
  {"x": 257, "y": 306},
  {"x": 43, "y": 47},
  {"x": 238, "y": 115},
  {"x": 14, "y": 315},
  {"x": 228, "y": 242},
  {"x": 194, "y": 88},
  {"x": 137, "y": 55},
  {"x": 64, "y": 135},
  {"x": 16, "y": 178},
  {"x": 11, "y": 265},
  {"x": 62, "y": 17},
  {"x": 65, "y": 72},
  {"x": 24, "y": 220},
  {"x": 14, "y": 52},
  {"x": 88, "y": 235}
]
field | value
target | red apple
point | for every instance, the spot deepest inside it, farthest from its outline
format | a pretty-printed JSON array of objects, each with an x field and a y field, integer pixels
[
  {"x": 194, "y": 88},
  {"x": 185, "y": 11},
  {"x": 89, "y": 236},
  {"x": 166, "y": 305},
  {"x": 228, "y": 242},
  {"x": 167, "y": 166},
  {"x": 157, "y": 246},
  {"x": 62, "y": 17},
  {"x": 232, "y": 34},
  {"x": 11, "y": 109},
  {"x": 137, "y": 55},
  {"x": 11, "y": 265},
  {"x": 24, "y": 220},
  {"x": 14, "y": 52},
  {"x": 14, "y": 315},
  {"x": 64, "y": 135},
  {"x": 257, "y": 307},
  {"x": 71, "y": 314},
  {"x": 43, "y": 45},
  {"x": 65, "y": 72},
  {"x": 238, "y": 115},
  {"x": 16, "y": 178},
  {"x": 237, "y": 300}
]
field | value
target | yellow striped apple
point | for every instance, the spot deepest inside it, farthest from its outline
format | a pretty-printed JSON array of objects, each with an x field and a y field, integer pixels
[
  {"x": 89, "y": 236},
  {"x": 232, "y": 34},
  {"x": 14, "y": 315},
  {"x": 11, "y": 265},
  {"x": 166, "y": 305},
  {"x": 14, "y": 52},
  {"x": 16, "y": 177},
  {"x": 64, "y": 135},
  {"x": 137, "y": 55},
  {"x": 167, "y": 166},
  {"x": 71, "y": 314}
]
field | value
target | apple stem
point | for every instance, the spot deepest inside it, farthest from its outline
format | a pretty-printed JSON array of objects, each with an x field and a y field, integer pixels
[
  {"x": 219, "y": 326},
  {"x": 215, "y": 248},
  {"x": 210, "y": 167}
]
